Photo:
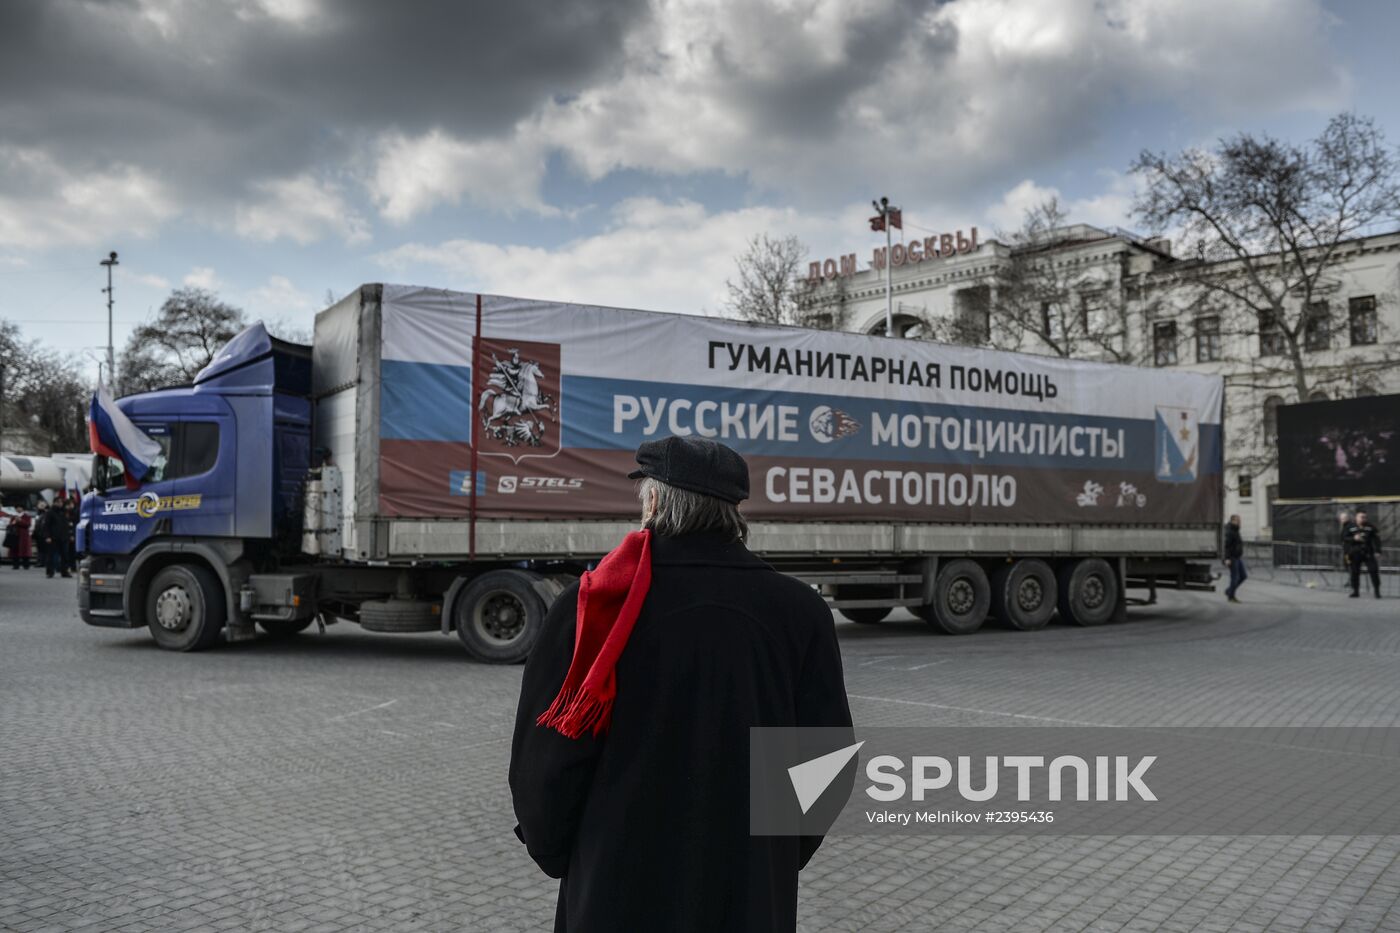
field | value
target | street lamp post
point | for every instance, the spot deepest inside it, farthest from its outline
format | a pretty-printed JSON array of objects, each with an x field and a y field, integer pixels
[{"x": 109, "y": 262}]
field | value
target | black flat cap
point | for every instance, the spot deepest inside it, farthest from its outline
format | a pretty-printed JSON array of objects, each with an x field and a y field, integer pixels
[{"x": 697, "y": 464}]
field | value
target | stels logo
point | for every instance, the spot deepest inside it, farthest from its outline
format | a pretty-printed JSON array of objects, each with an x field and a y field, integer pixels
[
  {"x": 517, "y": 410},
  {"x": 547, "y": 484}
]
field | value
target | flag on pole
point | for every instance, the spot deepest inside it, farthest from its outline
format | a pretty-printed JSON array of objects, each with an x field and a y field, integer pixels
[
  {"x": 877, "y": 223},
  {"x": 895, "y": 218},
  {"x": 112, "y": 434}
]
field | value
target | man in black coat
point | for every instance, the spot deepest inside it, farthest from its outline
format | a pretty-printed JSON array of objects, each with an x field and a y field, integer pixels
[
  {"x": 53, "y": 531},
  {"x": 645, "y": 818},
  {"x": 1362, "y": 543},
  {"x": 1234, "y": 558}
]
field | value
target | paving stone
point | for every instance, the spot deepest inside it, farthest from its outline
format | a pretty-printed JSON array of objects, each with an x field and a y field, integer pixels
[{"x": 357, "y": 782}]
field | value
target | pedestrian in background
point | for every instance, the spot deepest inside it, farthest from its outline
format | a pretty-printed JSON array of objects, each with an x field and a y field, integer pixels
[
  {"x": 55, "y": 538},
  {"x": 41, "y": 518},
  {"x": 1343, "y": 520},
  {"x": 1234, "y": 558},
  {"x": 19, "y": 540},
  {"x": 70, "y": 550},
  {"x": 1362, "y": 542},
  {"x": 630, "y": 765}
]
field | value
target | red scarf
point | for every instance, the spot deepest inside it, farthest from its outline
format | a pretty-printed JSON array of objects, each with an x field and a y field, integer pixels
[{"x": 609, "y": 600}]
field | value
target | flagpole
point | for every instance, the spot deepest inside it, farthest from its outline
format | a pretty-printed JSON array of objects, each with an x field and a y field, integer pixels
[
  {"x": 883, "y": 220},
  {"x": 889, "y": 272}
]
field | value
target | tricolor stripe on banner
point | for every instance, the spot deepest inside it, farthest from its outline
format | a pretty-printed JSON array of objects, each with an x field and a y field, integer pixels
[{"x": 112, "y": 434}]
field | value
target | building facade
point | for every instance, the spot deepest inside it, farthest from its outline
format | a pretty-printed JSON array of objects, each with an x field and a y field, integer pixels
[{"x": 1107, "y": 295}]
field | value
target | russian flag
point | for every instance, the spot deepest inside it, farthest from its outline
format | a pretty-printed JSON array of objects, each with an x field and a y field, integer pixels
[{"x": 111, "y": 434}]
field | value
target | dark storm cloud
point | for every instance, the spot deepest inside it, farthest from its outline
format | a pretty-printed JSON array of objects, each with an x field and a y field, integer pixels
[
  {"x": 210, "y": 98},
  {"x": 804, "y": 98}
]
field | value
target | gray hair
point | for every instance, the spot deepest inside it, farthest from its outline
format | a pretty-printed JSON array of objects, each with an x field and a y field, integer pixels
[{"x": 681, "y": 512}]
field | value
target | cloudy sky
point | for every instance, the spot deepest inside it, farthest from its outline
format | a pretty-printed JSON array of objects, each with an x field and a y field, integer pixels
[{"x": 610, "y": 151}]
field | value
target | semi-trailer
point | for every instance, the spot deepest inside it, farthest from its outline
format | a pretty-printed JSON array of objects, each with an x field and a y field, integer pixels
[{"x": 446, "y": 461}]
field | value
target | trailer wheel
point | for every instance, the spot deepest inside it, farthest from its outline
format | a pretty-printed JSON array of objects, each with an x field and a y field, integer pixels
[
  {"x": 1088, "y": 592},
  {"x": 499, "y": 615},
  {"x": 1024, "y": 594},
  {"x": 868, "y": 615},
  {"x": 284, "y": 628},
  {"x": 961, "y": 598},
  {"x": 185, "y": 608}
]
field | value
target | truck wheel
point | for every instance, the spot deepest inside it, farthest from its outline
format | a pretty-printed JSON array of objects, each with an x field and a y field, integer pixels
[
  {"x": 399, "y": 615},
  {"x": 1088, "y": 592},
  {"x": 284, "y": 628},
  {"x": 869, "y": 615},
  {"x": 498, "y": 616},
  {"x": 961, "y": 598},
  {"x": 1024, "y": 594},
  {"x": 185, "y": 608}
]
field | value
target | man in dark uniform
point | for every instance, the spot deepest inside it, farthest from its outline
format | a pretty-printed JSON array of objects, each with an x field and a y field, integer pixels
[
  {"x": 1362, "y": 544},
  {"x": 629, "y": 768}
]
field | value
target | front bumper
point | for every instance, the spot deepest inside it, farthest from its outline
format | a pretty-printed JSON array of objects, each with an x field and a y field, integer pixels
[{"x": 100, "y": 598}]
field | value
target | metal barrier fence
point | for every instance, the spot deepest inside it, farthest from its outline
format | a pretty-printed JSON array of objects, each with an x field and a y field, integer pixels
[{"x": 1317, "y": 566}]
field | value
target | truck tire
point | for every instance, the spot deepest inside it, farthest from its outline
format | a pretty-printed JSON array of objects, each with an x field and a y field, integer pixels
[
  {"x": 185, "y": 608},
  {"x": 399, "y": 615},
  {"x": 1024, "y": 594},
  {"x": 499, "y": 615},
  {"x": 869, "y": 615},
  {"x": 1088, "y": 591},
  {"x": 962, "y": 597},
  {"x": 284, "y": 628}
]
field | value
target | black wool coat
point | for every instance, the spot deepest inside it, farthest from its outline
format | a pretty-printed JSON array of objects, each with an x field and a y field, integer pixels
[{"x": 648, "y": 824}]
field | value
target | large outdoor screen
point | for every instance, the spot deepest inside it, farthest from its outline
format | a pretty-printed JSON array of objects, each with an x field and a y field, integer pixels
[{"x": 1340, "y": 449}]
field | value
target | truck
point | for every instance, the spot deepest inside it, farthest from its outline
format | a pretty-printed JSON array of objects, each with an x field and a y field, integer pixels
[{"x": 441, "y": 461}]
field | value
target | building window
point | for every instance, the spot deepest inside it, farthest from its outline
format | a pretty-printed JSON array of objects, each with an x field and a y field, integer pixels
[
  {"x": 1246, "y": 486},
  {"x": 1207, "y": 339},
  {"x": 1270, "y": 335},
  {"x": 1317, "y": 327},
  {"x": 1045, "y": 320},
  {"x": 1089, "y": 313},
  {"x": 1271, "y": 405},
  {"x": 1361, "y": 313},
  {"x": 1164, "y": 343},
  {"x": 972, "y": 308}
]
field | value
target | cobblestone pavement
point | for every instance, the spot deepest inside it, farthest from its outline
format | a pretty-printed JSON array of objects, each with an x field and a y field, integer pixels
[{"x": 357, "y": 782}]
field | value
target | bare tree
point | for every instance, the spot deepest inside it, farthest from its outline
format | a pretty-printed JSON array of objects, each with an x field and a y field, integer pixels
[
  {"x": 171, "y": 348},
  {"x": 1268, "y": 224},
  {"x": 283, "y": 329},
  {"x": 45, "y": 395},
  {"x": 770, "y": 290},
  {"x": 1038, "y": 302}
]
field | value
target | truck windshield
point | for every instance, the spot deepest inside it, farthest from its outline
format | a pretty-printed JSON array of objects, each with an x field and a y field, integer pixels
[{"x": 186, "y": 449}]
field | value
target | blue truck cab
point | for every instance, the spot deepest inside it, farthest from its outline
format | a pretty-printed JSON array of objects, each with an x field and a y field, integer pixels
[{"x": 219, "y": 505}]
